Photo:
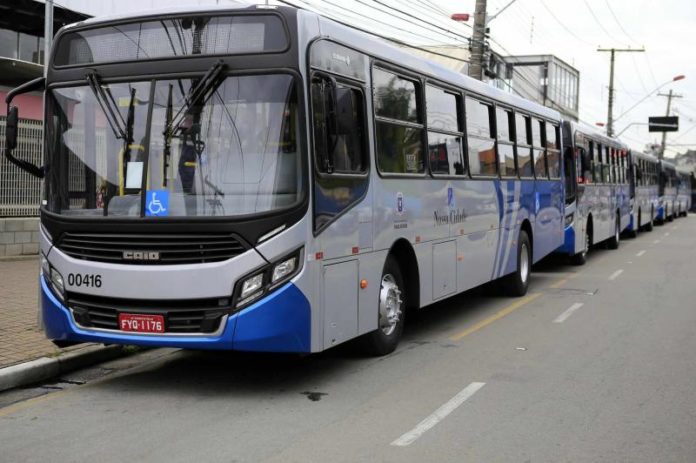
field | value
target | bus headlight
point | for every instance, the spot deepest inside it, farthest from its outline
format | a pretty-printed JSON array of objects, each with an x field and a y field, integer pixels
[
  {"x": 266, "y": 279},
  {"x": 250, "y": 286},
  {"x": 57, "y": 280},
  {"x": 284, "y": 269},
  {"x": 45, "y": 267},
  {"x": 53, "y": 277}
]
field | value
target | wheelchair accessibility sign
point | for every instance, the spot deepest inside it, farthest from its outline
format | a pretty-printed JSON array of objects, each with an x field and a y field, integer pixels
[{"x": 157, "y": 203}]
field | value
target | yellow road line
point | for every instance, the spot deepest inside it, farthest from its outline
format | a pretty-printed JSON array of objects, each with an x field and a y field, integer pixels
[
  {"x": 506, "y": 311},
  {"x": 559, "y": 283},
  {"x": 24, "y": 404}
]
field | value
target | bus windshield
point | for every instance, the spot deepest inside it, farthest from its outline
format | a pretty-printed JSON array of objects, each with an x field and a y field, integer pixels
[{"x": 156, "y": 149}]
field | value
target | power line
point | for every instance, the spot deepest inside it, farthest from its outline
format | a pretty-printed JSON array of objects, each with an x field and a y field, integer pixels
[
  {"x": 599, "y": 23},
  {"x": 563, "y": 25},
  {"x": 373, "y": 33},
  {"x": 415, "y": 17},
  {"x": 611, "y": 10}
]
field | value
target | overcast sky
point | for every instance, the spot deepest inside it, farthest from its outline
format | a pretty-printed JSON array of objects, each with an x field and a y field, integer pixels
[{"x": 666, "y": 29}]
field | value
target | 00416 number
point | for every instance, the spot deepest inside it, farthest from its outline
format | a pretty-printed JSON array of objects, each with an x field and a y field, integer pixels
[{"x": 85, "y": 279}]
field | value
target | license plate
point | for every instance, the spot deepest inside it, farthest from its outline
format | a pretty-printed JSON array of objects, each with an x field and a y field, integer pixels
[{"x": 141, "y": 323}]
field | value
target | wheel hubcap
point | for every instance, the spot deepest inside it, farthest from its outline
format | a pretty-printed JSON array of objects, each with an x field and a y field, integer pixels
[
  {"x": 587, "y": 243},
  {"x": 389, "y": 304},
  {"x": 524, "y": 263}
]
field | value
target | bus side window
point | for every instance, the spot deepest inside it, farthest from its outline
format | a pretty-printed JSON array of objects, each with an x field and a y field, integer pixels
[
  {"x": 444, "y": 132},
  {"x": 480, "y": 138},
  {"x": 506, "y": 149},
  {"x": 588, "y": 169},
  {"x": 339, "y": 124},
  {"x": 553, "y": 156},
  {"x": 538, "y": 141},
  {"x": 398, "y": 123},
  {"x": 524, "y": 145}
]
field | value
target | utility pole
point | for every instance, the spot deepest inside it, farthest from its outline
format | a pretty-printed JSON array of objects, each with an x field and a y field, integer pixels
[
  {"x": 477, "y": 41},
  {"x": 48, "y": 32},
  {"x": 669, "y": 96},
  {"x": 610, "y": 115}
]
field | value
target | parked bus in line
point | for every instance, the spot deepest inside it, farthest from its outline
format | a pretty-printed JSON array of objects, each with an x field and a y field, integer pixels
[
  {"x": 683, "y": 201},
  {"x": 266, "y": 179},
  {"x": 644, "y": 175},
  {"x": 667, "y": 192},
  {"x": 597, "y": 192}
]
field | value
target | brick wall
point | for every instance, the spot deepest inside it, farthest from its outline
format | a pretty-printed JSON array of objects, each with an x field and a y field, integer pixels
[{"x": 19, "y": 236}]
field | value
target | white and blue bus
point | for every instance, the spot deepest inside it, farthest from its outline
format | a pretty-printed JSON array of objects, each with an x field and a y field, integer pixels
[
  {"x": 645, "y": 174},
  {"x": 597, "y": 191},
  {"x": 265, "y": 179},
  {"x": 683, "y": 200},
  {"x": 667, "y": 194}
]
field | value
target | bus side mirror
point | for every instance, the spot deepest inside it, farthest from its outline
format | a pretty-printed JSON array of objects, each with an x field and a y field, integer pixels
[{"x": 12, "y": 125}]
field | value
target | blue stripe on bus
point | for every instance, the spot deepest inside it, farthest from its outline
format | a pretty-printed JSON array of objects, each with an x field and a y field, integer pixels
[{"x": 279, "y": 323}]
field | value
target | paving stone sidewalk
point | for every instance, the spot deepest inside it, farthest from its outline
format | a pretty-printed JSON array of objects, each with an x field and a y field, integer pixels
[{"x": 20, "y": 338}]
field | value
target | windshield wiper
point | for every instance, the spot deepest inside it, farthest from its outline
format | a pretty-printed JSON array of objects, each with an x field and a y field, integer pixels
[
  {"x": 107, "y": 103},
  {"x": 200, "y": 93}
]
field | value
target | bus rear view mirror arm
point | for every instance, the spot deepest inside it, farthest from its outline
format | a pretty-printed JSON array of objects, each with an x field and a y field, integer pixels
[{"x": 12, "y": 127}]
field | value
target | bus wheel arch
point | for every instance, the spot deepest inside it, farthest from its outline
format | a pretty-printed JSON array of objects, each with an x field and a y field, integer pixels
[
  {"x": 399, "y": 292},
  {"x": 589, "y": 230},
  {"x": 527, "y": 228},
  {"x": 405, "y": 256}
]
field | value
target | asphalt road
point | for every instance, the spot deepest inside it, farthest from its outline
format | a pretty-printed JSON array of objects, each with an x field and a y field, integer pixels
[{"x": 596, "y": 364}]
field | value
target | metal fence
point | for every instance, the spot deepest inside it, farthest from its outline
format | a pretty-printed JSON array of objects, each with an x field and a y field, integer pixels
[{"x": 20, "y": 192}]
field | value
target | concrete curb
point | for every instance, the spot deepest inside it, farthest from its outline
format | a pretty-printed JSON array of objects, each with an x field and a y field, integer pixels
[{"x": 45, "y": 368}]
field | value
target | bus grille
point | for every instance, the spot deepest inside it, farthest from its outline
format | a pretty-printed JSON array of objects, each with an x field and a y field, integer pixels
[
  {"x": 163, "y": 249},
  {"x": 180, "y": 316}
]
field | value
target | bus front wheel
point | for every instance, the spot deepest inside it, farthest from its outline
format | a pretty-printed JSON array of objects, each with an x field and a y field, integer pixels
[
  {"x": 581, "y": 257},
  {"x": 391, "y": 312},
  {"x": 516, "y": 283}
]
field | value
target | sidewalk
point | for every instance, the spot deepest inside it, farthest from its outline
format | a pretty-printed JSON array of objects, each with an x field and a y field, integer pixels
[
  {"x": 26, "y": 356},
  {"x": 20, "y": 339}
]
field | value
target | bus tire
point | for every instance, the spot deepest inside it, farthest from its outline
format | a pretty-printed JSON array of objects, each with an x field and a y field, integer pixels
[
  {"x": 648, "y": 227},
  {"x": 390, "y": 312},
  {"x": 516, "y": 283},
  {"x": 581, "y": 257},
  {"x": 613, "y": 242}
]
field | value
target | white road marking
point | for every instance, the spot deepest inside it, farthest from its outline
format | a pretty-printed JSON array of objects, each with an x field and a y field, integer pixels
[
  {"x": 438, "y": 415},
  {"x": 640, "y": 253},
  {"x": 562, "y": 317},
  {"x": 615, "y": 274},
  {"x": 666, "y": 234},
  {"x": 656, "y": 241}
]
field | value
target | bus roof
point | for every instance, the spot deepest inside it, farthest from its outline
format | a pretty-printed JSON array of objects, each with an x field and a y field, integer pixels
[
  {"x": 364, "y": 42},
  {"x": 383, "y": 50}
]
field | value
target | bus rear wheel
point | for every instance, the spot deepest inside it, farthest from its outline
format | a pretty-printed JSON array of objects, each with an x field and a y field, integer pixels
[
  {"x": 516, "y": 283},
  {"x": 392, "y": 302},
  {"x": 613, "y": 242}
]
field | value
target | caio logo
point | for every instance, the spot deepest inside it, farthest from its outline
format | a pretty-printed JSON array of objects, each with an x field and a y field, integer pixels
[{"x": 141, "y": 255}]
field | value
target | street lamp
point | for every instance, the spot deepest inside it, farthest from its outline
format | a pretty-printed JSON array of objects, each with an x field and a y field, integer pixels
[{"x": 673, "y": 79}]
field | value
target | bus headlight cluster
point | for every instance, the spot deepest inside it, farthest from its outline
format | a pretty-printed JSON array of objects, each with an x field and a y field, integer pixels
[
  {"x": 53, "y": 277},
  {"x": 266, "y": 279}
]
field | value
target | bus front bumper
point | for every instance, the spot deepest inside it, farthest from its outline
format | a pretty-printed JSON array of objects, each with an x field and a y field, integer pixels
[{"x": 280, "y": 322}]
